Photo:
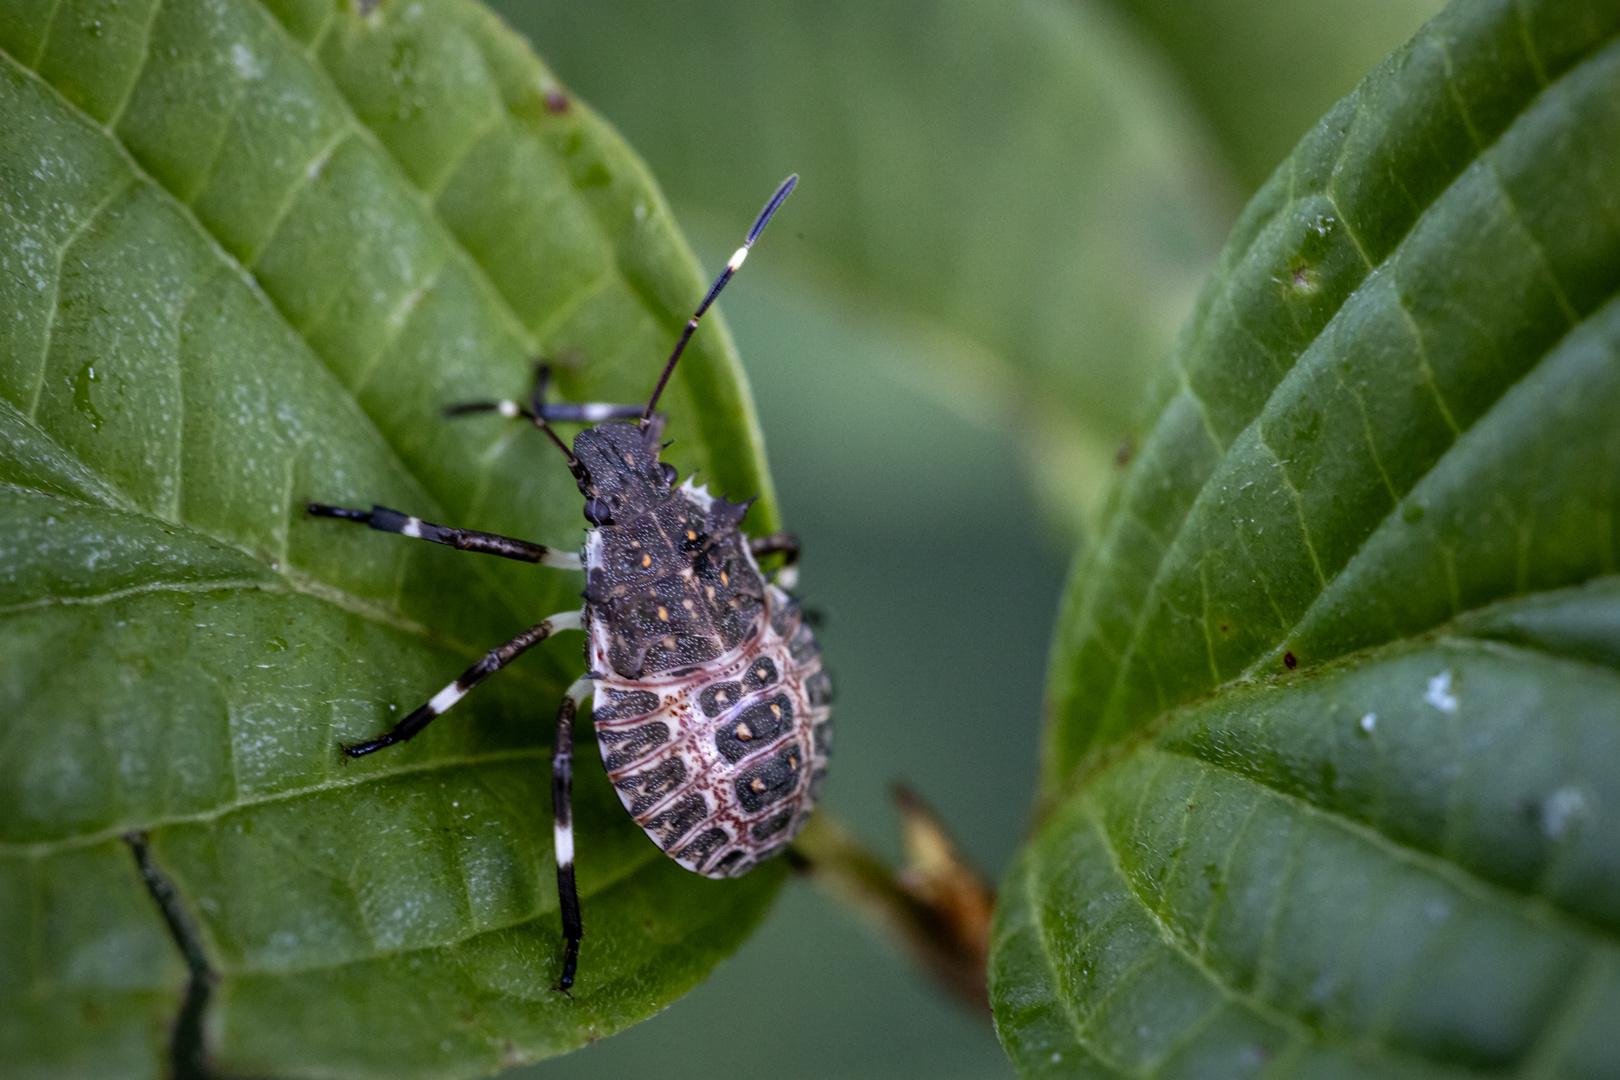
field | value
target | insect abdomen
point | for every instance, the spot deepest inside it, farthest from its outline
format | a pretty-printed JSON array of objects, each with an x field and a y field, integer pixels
[{"x": 722, "y": 763}]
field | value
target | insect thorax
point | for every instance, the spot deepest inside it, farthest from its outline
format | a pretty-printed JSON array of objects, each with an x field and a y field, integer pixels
[
  {"x": 673, "y": 585},
  {"x": 711, "y": 703}
]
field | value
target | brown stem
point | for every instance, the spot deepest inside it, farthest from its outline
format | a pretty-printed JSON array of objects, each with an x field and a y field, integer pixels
[{"x": 938, "y": 906}]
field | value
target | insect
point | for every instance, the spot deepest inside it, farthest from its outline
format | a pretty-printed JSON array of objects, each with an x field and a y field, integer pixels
[{"x": 709, "y": 699}]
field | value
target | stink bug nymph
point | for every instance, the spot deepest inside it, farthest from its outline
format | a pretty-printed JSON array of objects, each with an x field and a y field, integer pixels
[{"x": 710, "y": 703}]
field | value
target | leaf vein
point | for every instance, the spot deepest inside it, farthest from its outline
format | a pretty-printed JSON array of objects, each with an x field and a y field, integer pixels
[
  {"x": 9, "y": 849},
  {"x": 140, "y": 69},
  {"x": 448, "y": 170},
  {"x": 1038, "y": 927},
  {"x": 1563, "y": 1023},
  {"x": 1454, "y": 92},
  {"x": 1537, "y": 248},
  {"x": 1355, "y": 241},
  {"x": 306, "y": 177},
  {"x": 45, "y": 38},
  {"x": 396, "y": 323},
  {"x": 1168, "y": 937},
  {"x": 56, "y": 288},
  {"x": 1537, "y": 908},
  {"x": 1299, "y": 504}
]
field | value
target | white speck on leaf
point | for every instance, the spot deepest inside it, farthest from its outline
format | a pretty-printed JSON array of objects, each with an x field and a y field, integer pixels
[
  {"x": 1561, "y": 810},
  {"x": 246, "y": 64},
  {"x": 1369, "y": 722},
  {"x": 1439, "y": 693}
]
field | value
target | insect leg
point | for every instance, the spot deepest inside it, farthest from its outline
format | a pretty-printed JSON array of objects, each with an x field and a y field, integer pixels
[
  {"x": 492, "y": 662},
  {"x": 588, "y": 412},
  {"x": 562, "y": 785},
  {"x": 383, "y": 519},
  {"x": 785, "y": 544},
  {"x": 538, "y": 408},
  {"x": 542, "y": 414}
]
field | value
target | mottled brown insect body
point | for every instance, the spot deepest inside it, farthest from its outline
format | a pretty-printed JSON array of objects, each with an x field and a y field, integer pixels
[
  {"x": 711, "y": 706},
  {"x": 710, "y": 701}
]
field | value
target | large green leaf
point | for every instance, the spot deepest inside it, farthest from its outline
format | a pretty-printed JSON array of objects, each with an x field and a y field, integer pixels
[
  {"x": 1018, "y": 183},
  {"x": 1334, "y": 715},
  {"x": 250, "y": 251}
]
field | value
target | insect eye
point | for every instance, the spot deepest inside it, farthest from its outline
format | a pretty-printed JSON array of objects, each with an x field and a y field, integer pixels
[
  {"x": 670, "y": 475},
  {"x": 597, "y": 512}
]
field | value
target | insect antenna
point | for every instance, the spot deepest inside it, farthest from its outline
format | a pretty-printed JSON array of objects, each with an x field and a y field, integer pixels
[{"x": 714, "y": 291}]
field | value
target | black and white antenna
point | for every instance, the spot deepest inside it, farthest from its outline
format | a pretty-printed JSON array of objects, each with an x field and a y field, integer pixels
[{"x": 735, "y": 262}]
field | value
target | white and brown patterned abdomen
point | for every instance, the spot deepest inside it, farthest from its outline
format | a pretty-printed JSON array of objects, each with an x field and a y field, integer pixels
[{"x": 721, "y": 763}]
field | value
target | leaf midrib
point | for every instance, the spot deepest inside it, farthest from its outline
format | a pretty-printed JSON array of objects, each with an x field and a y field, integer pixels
[
  {"x": 1539, "y": 909},
  {"x": 620, "y": 876},
  {"x": 620, "y": 871},
  {"x": 42, "y": 848},
  {"x": 1144, "y": 739}
]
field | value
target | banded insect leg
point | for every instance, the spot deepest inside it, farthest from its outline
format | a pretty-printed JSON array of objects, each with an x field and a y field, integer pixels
[
  {"x": 383, "y": 519},
  {"x": 785, "y": 544},
  {"x": 562, "y": 786},
  {"x": 492, "y": 662},
  {"x": 557, "y": 412},
  {"x": 542, "y": 413}
]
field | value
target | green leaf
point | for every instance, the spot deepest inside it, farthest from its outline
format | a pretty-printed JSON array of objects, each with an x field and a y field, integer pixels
[
  {"x": 1332, "y": 717},
  {"x": 251, "y": 251},
  {"x": 1019, "y": 184}
]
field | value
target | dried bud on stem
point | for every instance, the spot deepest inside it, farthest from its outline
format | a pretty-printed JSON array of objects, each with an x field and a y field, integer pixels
[{"x": 938, "y": 905}]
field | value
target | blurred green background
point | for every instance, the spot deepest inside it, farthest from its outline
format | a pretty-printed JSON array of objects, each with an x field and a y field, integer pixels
[{"x": 1006, "y": 209}]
